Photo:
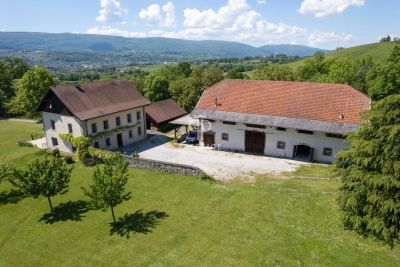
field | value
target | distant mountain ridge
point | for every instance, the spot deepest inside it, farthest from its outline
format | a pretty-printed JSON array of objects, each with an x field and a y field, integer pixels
[
  {"x": 70, "y": 42},
  {"x": 73, "y": 50}
]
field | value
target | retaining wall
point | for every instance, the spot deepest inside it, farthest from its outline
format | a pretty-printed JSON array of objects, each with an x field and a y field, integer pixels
[{"x": 162, "y": 166}]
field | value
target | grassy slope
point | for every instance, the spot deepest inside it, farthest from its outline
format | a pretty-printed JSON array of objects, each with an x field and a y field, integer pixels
[
  {"x": 378, "y": 51},
  {"x": 272, "y": 222}
]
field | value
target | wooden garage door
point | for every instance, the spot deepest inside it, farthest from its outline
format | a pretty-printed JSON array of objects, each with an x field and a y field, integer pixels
[
  {"x": 255, "y": 142},
  {"x": 208, "y": 138}
]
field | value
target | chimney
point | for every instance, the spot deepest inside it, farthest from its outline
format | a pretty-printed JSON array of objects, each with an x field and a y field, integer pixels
[{"x": 216, "y": 103}]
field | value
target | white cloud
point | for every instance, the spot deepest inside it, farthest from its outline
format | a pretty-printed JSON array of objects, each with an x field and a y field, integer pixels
[
  {"x": 111, "y": 11},
  {"x": 322, "y": 8},
  {"x": 225, "y": 15},
  {"x": 235, "y": 21},
  {"x": 324, "y": 38},
  {"x": 107, "y": 30},
  {"x": 162, "y": 16},
  {"x": 261, "y": 2}
]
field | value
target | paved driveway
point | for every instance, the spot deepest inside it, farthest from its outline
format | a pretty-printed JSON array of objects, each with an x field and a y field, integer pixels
[{"x": 219, "y": 164}]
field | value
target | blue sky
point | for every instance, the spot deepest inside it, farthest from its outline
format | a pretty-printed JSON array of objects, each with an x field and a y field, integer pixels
[{"x": 319, "y": 23}]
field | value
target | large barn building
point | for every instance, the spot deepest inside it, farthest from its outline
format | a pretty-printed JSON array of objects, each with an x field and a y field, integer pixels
[{"x": 302, "y": 120}]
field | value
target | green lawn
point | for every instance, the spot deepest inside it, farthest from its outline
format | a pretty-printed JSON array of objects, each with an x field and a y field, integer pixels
[{"x": 174, "y": 220}]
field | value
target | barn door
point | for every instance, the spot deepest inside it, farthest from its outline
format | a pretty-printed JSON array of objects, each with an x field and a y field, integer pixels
[
  {"x": 254, "y": 142},
  {"x": 209, "y": 138}
]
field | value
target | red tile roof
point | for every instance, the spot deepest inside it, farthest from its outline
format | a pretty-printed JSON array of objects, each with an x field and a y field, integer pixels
[
  {"x": 164, "y": 110},
  {"x": 91, "y": 100},
  {"x": 303, "y": 100}
]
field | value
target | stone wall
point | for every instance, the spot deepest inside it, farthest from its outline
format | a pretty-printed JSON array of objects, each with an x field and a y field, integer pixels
[{"x": 162, "y": 166}]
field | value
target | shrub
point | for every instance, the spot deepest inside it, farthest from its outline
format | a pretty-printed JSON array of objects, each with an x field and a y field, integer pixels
[
  {"x": 68, "y": 159},
  {"x": 36, "y": 136},
  {"x": 91, "y": 162},
  {"x": 206, "y": 177},
  {"x": 24, "y": 143},
  {"x": 56, "y": 153},
  {"x": 41, "y": 152}
]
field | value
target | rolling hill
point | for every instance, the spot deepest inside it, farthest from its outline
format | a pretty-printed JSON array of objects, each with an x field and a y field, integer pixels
[
  {"x": 88, "y": 49},
  {"x": 290, "y": 50},
  {"x": 378, "y": 52}
]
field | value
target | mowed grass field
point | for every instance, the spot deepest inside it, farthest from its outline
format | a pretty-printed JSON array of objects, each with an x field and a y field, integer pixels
[{"x": 175, "y": 220}]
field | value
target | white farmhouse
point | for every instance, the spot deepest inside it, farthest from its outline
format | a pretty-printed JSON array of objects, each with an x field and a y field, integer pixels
[
  {"x": 306, "y": 121},
  {"x": 111, "y": 112}
]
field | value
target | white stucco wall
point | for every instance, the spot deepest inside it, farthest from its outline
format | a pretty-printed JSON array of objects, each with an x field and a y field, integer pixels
[
  {"x": 61, "y": 127},
  {"x": 291, "y": 137},
  {"x": 79, "y": 128},
  {"x": 124, "y": 122}
]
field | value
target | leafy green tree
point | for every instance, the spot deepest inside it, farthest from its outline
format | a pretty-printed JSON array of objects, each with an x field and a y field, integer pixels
[
  {"x": 156, "y": 88},
  {"x": 274, "y": 72},
  {"x": 313, "y": 66},
  {"x": 369, "y": 195},
  {"x": 385, "y": 39},
  {"x": 234, "y": 74},
  {"x": 212, "y": 76},
  {"x": 43, "y": 177},
  {"x": 384, "y": 80},
  {"x": 6, "y": 90},
  {"x": 138, "y": 81},
  {"x": 17, "y": 66},
  {"x": 169, "y": 72},
  {"x": 185, "y": 68},
  {"x": 6, "y": 170},
  {"x": 364, "y": 67},
  {"x": 197, "y": 72},
  {"x": 29, "y": 91},
  {"x": 343, "y": 71},
  {"x": 107, "y": 189},
  {"x": 186, "y": 92}
]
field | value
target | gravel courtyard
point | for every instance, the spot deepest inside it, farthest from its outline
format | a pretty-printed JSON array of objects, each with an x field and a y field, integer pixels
[{"x": 219, "y": 164}]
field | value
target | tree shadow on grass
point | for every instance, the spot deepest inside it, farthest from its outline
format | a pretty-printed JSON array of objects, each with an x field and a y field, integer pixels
[
  {"x": 11, "y": 196},
  {"x": 138, "y": 222},
  {"x": 70, "y": 211}
]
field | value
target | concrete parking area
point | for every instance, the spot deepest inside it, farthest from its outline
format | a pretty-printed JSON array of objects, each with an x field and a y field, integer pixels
[{"x": 219, "y": 164}]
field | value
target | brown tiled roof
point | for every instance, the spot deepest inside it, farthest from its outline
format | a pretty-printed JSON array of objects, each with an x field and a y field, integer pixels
[
  {"x": 303, "y": 100},
  {"x": 164, "y": 110},
  {"x": 92, "y": 100}
]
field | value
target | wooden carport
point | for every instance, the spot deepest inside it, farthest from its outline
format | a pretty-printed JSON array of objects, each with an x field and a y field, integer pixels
[{"x": 184, "y": 121}]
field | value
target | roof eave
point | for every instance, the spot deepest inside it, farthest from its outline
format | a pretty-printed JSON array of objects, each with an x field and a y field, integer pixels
[{"x": 275, "y": 121}]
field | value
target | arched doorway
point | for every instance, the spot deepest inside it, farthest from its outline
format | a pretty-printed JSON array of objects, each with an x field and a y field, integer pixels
[{"x": 303, "y": 152}]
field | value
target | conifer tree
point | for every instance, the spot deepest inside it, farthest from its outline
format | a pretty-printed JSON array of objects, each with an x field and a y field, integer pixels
[{"x": 370, "y": 174}]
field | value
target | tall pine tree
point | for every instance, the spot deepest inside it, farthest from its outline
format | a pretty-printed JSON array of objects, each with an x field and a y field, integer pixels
[{"x": 370, "y": 173}]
